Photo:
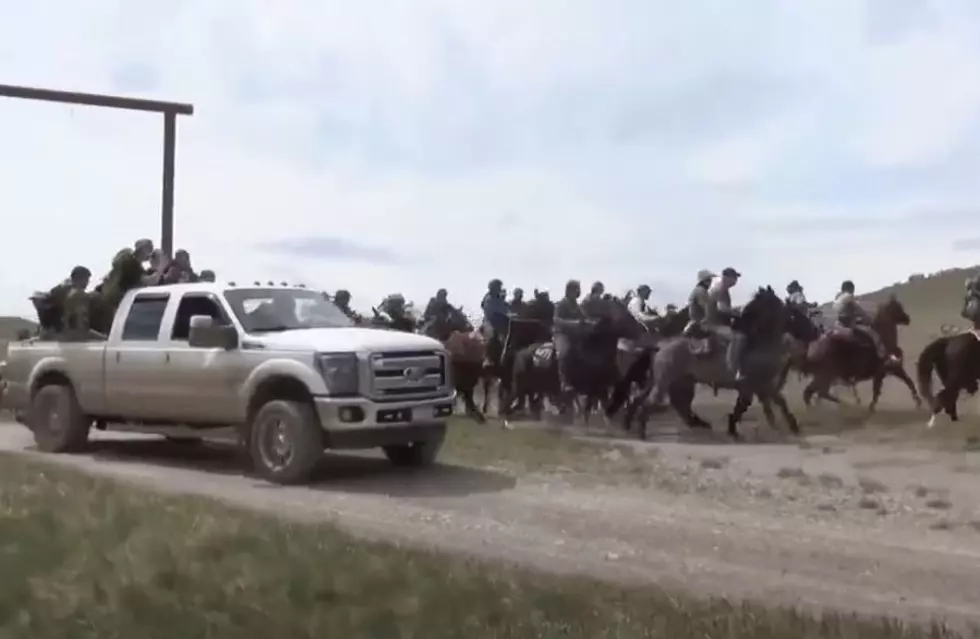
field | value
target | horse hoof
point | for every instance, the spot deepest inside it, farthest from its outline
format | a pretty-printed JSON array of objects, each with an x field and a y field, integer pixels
[
  {"x": 931, "y": 422},
  {"x": 507, "y": 425}
]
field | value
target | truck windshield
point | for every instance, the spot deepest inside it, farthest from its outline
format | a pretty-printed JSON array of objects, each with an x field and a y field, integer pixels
[{"x": 263, "y": 310}]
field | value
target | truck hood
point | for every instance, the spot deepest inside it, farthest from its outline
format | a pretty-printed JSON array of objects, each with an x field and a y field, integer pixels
[{"x": 326, "y": 340}]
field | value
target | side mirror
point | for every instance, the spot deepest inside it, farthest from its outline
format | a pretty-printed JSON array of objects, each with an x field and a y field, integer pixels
[{"x": 204, "y": 333}]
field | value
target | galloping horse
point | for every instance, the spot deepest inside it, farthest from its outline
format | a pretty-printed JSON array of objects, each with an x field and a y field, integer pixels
[
  {"x": 850, "y": 356},
  {"x": 592, "y": 365},
  {"x": 956, "y": 360},
  {"x": 769, "y": 327}
]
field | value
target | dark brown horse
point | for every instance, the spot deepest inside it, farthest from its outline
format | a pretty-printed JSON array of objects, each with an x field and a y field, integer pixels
[
  {"x": 956, "y": 361},
  {"x": 849, "y": 356},
  {"x": 466, "y": 352}
]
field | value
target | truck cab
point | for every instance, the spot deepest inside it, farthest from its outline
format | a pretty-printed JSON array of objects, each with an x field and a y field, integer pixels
[{"x": 281, "y": 369}]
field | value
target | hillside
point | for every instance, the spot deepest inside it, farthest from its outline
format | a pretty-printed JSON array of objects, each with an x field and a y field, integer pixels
[{"x": 9, "y": 329}]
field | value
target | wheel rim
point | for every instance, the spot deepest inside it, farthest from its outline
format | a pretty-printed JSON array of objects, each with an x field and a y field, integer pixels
[
  {"x": 51, "y": 422},
  {"x": 276, "y": 445}
]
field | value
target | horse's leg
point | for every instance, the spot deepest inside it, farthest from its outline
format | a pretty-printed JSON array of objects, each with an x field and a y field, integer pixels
[
  {"x": 951, "y": 397},
  {"x": 742, "y": 403},
  {"x": 777, "y": 397},
  {"x": 876, "y": 384},
  {"x": 899, "y": 372},
  {"x": 469, "y": 401},
  {"x": 857, "y": 396},
  {"x": 681, "y": 396},
  {"x": 487, "y": 383}
]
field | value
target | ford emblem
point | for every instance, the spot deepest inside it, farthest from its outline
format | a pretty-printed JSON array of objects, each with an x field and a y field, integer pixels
[{"x": 413, "y": 373}]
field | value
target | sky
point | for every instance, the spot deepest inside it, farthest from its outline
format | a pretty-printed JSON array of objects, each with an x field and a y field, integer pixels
[{"x": 408, "y": 145}]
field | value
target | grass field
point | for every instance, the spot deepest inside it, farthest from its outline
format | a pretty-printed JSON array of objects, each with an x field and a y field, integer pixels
[{"x": 86, "y": 557}]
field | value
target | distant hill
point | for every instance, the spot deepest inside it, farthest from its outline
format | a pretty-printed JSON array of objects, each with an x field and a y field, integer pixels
[{"x": 10, "y": 327}]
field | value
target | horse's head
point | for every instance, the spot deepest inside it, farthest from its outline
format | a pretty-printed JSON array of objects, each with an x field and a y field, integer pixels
[
  {"x": 764, "y": 316},
  {"x": 892, "y": 311},
  {"x": 800, "y": 325}
]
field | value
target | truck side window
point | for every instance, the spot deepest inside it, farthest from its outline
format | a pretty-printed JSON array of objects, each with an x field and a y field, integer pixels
[
  {"x": 144, "y": 319},
  {"x": 191, "y": 305}
]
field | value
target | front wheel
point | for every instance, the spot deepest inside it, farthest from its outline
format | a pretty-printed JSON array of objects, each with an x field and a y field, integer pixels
[
  {"x": 416, "y": 454},
  {"x": 285, "y": 442},
  {"x": 57, "y": 420}
]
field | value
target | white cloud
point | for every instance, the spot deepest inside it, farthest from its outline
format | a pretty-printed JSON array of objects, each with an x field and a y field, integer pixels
[{"x": 621, "y": 140}]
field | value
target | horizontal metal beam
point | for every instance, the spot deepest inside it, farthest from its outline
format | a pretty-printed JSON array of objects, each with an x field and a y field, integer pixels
[{"x": 95, "y": 99}]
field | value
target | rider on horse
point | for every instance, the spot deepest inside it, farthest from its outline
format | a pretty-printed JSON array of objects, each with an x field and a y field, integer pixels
[
  {"x": 438, "y": 307},
  {"x": 697, "y": 303},
  {"x": 971, "y": 302},
  {"x": 638, "y": 307},
  {"x": 851, "y": 316},
  {"x": 796, "y": 296},
  {"x": 719, "y": 318},
  {"x": 569, "y": 316}
]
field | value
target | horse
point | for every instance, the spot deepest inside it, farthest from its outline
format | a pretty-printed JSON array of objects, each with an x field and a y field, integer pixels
[
  {"x": 592, "y": 368},
  {"x": 768, "y": 327},
  {"x": 956, "y": 361},
  {"x": 635, "y": 366},
  {"x": 517, "y": 379},
  {"x": 850, "y": 356},
  {"x": 466, "y": 352}
]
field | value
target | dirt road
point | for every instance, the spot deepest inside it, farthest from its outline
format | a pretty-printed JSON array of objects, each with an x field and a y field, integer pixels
[{"x": 832, "y": 524}]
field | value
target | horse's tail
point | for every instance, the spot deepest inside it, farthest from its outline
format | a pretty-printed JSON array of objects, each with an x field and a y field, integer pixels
[{"x": 933, "y": 357}]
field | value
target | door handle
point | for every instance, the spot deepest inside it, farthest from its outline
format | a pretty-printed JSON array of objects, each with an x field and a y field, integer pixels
[
  {"x": 118, "y": 355},
  {"x": 168, "y": 358}
]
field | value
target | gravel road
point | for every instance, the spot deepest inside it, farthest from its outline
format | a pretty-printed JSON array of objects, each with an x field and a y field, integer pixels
[{"x": 870, "y": 529}]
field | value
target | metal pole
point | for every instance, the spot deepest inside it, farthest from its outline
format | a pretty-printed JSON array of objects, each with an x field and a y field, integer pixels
[{"x": 169, "y": 160}]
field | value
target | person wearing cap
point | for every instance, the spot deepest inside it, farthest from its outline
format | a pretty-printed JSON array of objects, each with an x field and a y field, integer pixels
[
  {"x": 851, "y": 316},
  {"x": 796, "y": 296},
  {"x": 698, "y": 301},
  {"x": 76, "y": 306},
  {"x": 638, "y": 305},
  {"x": 594, "y": 304},
  {"x": 971, "y": 300},
  {"x": 127, "y": 273},
  {"x": 719, "y": 317}
]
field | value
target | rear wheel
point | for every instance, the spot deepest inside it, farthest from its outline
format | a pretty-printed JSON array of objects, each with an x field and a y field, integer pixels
[
  {"x": 416, "y": 454},
  {"x": 57, "y": 420},
  {"x": 285, "y": 442}
]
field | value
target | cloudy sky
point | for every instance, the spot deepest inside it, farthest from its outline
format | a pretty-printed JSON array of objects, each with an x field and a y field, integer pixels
[{"x": 410, "y": 144}]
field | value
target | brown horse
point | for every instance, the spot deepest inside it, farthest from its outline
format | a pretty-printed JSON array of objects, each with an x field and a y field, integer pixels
[
  {"x": 467, "y": 351},
  {"x": 956, "y": 360},
  {"x": 849, "y": 356}
]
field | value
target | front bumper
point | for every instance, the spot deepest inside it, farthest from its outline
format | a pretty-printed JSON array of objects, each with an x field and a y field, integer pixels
[{"x": 359, "y": 422}]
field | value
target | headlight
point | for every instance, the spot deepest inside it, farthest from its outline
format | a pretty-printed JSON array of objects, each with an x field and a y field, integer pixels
[{"x": 340, "y": 373}]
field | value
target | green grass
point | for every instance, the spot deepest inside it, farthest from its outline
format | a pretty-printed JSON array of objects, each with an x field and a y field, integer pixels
[{"x": 87, "y": 557}]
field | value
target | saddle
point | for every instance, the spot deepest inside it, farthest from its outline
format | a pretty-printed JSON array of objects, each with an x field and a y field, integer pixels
[{"x": 848, "y": 336}]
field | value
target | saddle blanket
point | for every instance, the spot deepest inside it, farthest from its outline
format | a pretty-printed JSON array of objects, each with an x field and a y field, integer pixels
[{"x": 545, "y": 351}]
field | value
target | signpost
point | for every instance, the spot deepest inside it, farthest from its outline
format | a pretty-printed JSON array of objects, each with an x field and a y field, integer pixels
[{"x": 170, "y": 111}]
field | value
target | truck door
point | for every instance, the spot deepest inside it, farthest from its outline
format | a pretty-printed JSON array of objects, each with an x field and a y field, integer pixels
[
  {"x": 203, "y": 384},
  {"x": 133, "y": 361}
]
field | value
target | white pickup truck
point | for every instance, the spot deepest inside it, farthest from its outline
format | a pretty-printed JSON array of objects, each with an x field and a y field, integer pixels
[{"x": 280, "y": 369}]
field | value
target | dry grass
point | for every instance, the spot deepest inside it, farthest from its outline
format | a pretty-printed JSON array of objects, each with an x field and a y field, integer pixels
[
  {"x": 86, "y": 557},
  {"x": 532, "y": 450}
]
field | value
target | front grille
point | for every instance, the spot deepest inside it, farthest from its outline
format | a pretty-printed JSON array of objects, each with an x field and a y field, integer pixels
[{"x": 407, "y": 375}]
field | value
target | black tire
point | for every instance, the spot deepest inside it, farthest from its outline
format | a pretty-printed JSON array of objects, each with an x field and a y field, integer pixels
[
  {"x": 301, "y": 430},
  {"x": 416, "y": 454},
  {"x": 57, "y": 420}
]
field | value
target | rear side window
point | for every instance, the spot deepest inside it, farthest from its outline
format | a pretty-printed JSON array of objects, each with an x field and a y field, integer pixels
[
  {"x": 144, "y": 319},
  {"x": 191, "y": 305}
]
